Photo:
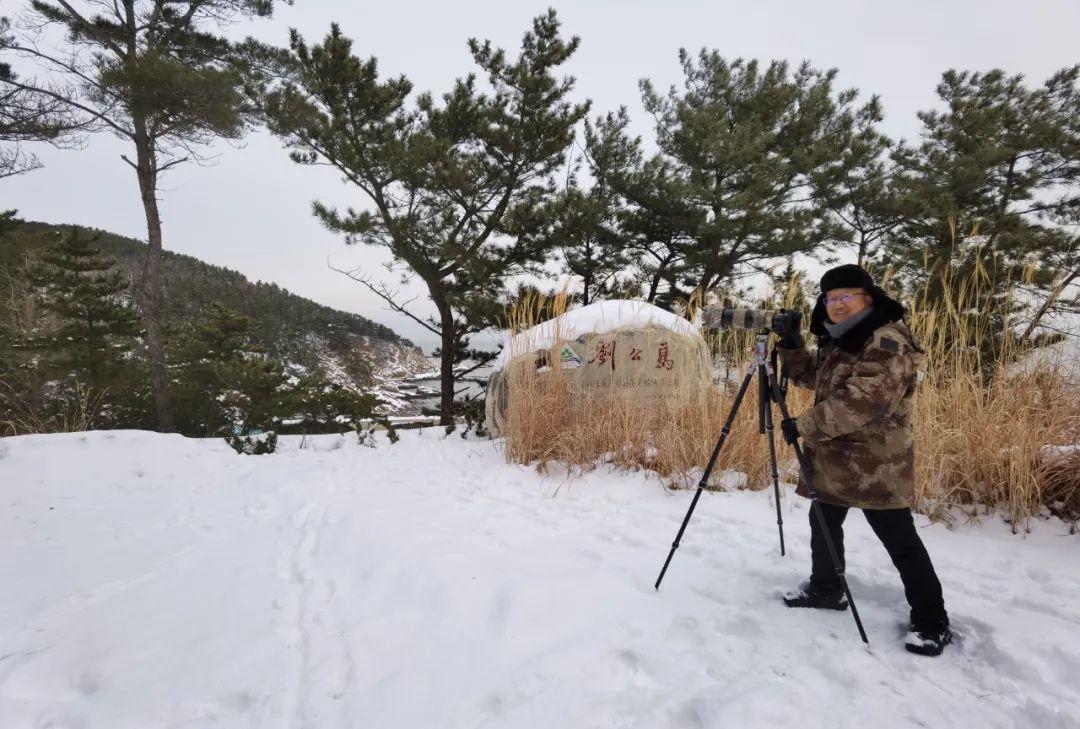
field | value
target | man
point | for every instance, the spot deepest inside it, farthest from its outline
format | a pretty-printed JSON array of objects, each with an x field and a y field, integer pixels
[{"x": 859, "y": 444}]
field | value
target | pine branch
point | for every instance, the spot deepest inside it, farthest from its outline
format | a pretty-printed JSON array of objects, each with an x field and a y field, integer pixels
[{"x": 91, "y": 30}]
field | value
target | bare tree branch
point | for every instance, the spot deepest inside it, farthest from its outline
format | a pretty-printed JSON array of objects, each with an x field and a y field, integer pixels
[
  {"x": 1048, "y": 304},
  {"x": 95, "y": 116},
  {"x": 388, "y": 296}
]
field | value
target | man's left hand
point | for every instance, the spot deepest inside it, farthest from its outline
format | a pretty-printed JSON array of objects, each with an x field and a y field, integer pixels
[{"x": 790, "y": 430}]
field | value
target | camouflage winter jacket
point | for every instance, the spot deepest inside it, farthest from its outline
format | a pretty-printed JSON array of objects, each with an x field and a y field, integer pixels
[{"x": 858, "y": 436}]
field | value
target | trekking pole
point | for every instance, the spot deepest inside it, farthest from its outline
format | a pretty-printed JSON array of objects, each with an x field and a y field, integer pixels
[
  {"x": 815, "y": 509},
  {"x": 724, "y": 432}
]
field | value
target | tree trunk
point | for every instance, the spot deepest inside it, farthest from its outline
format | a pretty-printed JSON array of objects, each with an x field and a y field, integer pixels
[
  {"x": 93, "y": 370},
  {"x": 152, "y": 287},
  {"x": 654, "y": 285},
  {"x": 446, "y": 364}
]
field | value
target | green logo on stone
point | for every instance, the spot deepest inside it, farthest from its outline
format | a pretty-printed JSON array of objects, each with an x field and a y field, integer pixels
[{"x": 569, "y": 357}]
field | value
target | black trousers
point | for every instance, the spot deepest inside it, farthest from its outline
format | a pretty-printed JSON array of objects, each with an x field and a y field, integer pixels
[{"x": 896, "y": 530}]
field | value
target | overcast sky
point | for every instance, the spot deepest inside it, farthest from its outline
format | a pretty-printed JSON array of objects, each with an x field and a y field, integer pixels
[{"x": 250, "y": 211}]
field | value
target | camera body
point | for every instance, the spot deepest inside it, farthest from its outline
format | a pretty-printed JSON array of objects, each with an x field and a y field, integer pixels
[{"x": 786, "y": 320}]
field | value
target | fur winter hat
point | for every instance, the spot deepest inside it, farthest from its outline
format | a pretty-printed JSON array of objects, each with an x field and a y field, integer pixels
[{"x": 848, "y": 276}]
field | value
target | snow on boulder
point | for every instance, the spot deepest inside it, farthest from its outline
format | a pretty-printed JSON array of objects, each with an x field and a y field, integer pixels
[
  {"x": 608, "y": 349},
  {"x": 599, "y": 318}
]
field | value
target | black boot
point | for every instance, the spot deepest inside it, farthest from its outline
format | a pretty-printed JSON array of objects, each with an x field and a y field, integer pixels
[
  {"x": 928, "y": 640},
  {"x": 811, "y": 596}
]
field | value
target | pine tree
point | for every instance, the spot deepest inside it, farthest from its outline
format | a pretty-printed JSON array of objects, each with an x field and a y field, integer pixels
[
  {"x": 455, "y": 190},
  {"x": 991, "y": 195},
  {"x": 21, "y": 381},
  {"x": 94, "y": 323},
  {"x": 656, "y": 218},
  {"x": 325, "y": 407},
  {"x": 153, "y": 73},
  {"x": 860, "y": 193},
  {"x": 8, "y": 222},
  {"x": 586, "y": 231},
  {"x": 224, "y": 384},
  {"x": 744, "y": 154},
  {"x": 255, "y": 392}
]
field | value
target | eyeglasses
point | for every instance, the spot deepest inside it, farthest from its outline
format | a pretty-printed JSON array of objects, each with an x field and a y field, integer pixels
[{"x": 841, "y": 299}]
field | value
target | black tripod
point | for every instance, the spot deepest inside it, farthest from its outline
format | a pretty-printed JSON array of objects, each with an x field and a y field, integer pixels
[{"x": 768, "y": 392}]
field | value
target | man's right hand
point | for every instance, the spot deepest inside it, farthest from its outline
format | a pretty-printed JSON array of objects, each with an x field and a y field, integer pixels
[
  {"x": 790, "y": 430},
  {"x": 788, "y": 324}
]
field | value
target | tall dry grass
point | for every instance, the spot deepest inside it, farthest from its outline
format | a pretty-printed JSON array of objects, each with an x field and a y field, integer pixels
[
  {"x": 989, "y": 445},
  {"x": 75, "y": 411},
  {"x": 992, "y": 423},
  {"x": 666, "y": 435},
  {"x": 992, "y": 411}
]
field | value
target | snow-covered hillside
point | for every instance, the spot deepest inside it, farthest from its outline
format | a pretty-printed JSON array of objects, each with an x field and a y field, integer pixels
[
  {"x": 155, "y": 581},
  {"x": 389, "y": 370}
]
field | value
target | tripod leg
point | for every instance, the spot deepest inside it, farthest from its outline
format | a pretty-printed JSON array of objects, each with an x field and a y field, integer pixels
[
  {"x": 767, "y": 419},
  {"x": 724, "y": 432},
  {"x": 815, "y": 509}
]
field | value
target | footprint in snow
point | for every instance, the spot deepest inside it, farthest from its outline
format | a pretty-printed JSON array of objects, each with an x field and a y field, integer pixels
[
  {"x": 88, "y": 683},
  {"x": 1039, "y": 575},
  {"x": 742, "y": 626},
  {"x": 628, "y": 658},
  {"x": 684, "y": 627},
  {"x": 239, "y": 701}
]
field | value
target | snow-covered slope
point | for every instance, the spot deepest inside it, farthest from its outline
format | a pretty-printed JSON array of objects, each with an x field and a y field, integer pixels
[
  {"x": 381, "y": 367},
  {"x": 396, "y": 368},
  {"x": 154, "y": 581}
]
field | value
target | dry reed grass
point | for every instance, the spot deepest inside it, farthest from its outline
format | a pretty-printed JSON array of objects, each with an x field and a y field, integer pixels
[
  {"x": 986, "y": 444},
  {"x": 75, "y": 412},
  {"x": 985, "y": 429},
  {"x": 988, "y": 417},
  {"x": 667, "y": 435}
]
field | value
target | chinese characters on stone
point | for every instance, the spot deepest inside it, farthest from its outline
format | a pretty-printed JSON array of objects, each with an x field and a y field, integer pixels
[{"x": 604, "y": 354}]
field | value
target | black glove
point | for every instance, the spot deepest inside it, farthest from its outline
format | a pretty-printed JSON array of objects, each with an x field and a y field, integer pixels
[
  {"x": 788, "y": 325},
  {"x": 790, "y": 430}
]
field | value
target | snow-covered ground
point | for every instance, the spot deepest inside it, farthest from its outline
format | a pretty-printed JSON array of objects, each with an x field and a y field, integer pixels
[{"x": 155, "y": 581}]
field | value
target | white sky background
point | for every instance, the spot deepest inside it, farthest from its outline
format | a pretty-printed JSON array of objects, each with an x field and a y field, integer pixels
[{"x": 250, "y": 211}]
